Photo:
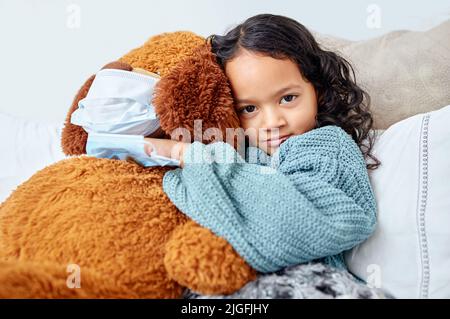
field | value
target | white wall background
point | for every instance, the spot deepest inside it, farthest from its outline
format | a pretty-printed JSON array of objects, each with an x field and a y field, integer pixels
[{"x": 49, "y": 47}]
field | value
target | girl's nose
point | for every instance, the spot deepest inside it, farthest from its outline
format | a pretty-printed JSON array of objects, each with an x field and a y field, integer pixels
[{"x": 274, "y": 118}]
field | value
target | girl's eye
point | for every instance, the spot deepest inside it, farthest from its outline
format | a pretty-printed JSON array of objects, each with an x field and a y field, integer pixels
[
  {"x": 289, "y": 98},
  {"x": 248, "y": 109}
]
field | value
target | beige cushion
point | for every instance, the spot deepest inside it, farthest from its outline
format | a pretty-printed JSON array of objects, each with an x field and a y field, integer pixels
[{"x": 404, "y": 72}]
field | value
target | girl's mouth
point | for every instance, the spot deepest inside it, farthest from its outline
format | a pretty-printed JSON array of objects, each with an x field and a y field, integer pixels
[{"x": 277, "y": 142}]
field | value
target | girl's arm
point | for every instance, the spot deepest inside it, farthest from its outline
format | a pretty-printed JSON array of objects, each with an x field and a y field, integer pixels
[{"x": 317, "y": 203}]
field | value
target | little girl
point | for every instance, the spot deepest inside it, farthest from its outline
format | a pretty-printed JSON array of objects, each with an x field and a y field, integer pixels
[{"x": 300, "y": 106}]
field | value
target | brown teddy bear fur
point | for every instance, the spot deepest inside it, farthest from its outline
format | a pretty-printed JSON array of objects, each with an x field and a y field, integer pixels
[
  {"x": 112, "y": 218},
  {"x": 158, "y": 55},
  {"x": 196, "y": 90}
]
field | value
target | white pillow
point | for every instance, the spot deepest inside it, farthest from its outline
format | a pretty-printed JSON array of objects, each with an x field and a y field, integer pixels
[
  {"x": 409, "y": 254},
  {"x": 26, "y": 147}
]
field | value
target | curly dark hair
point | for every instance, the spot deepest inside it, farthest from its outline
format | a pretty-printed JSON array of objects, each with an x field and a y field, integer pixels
[{"x": 340, "y": 100}]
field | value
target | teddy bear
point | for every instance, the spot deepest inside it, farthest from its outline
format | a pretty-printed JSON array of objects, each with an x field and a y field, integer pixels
[{"x": 89, "y": 227}]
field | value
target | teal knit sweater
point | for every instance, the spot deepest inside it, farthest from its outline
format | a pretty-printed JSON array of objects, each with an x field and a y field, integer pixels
[{"x": 310, "y": 200}]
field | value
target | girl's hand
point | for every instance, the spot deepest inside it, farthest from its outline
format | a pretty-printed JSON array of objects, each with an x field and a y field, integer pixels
[{"x": 166, "y": 148}]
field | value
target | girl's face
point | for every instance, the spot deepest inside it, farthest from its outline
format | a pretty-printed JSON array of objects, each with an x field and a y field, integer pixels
[{"x": 273, "y": 100}]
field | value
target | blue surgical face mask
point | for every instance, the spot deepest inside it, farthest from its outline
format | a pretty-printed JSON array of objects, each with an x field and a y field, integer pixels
[
  {"x": 123, "y": 146},
  {"x": 118, "y": 102}
]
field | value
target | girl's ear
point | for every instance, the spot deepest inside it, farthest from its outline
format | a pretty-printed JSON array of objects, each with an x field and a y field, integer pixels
[{"x": 196, "y": 89}]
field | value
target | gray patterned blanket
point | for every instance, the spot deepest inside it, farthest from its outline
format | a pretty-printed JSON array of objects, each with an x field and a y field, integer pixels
[{"x": 305, "y": 281}]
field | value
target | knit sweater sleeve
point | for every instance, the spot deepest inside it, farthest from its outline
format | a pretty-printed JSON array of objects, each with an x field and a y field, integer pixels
[{"x": 312, "y": 201}]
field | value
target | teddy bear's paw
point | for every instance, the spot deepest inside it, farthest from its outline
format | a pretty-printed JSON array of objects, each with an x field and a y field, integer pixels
[
  {"x": 26, "y": 280},
  {"x": 204, "y": 262}
]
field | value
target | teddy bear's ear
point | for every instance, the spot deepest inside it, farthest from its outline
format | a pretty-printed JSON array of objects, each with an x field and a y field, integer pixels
[
  {"x": 196, "y": 89},
  {"x": 74, "y": 137}
]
